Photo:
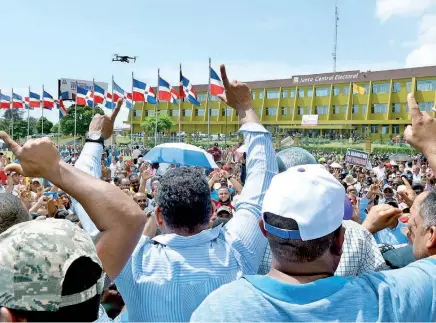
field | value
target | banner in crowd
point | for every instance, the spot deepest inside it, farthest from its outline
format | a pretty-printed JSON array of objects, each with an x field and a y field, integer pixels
[
  {"x": 70, "y": 86},
  {"x": 309, "y": 120},
  {"x": 356, "y": 157}
]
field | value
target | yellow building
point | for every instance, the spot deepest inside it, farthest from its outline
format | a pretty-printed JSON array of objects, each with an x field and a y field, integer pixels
[{"x": 281, "y": 104}]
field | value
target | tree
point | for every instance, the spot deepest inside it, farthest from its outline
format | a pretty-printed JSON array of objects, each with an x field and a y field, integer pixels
[
  {"x": 47, "y": 125},
  {"x": 16, "y": 113},
  {"x": 84, "y": 117},
  {"x": 164, "y": 122},
  {"x": 55, "y": 128}
]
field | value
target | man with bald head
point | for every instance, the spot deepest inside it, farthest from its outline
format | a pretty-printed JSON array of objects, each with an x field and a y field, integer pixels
[
  {"x": 141, "y": 200},
  {"x": 125, "y": 184}
]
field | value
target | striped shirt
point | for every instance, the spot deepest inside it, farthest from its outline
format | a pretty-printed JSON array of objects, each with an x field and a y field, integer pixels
[
  {"x": 360, "y": 253},
  {"x": 167, "y": 277}
]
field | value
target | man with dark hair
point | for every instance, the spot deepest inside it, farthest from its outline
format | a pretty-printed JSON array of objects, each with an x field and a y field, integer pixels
[
  {"x": 42, "y": 280},
  {"x": 134, "y": 183},
  {"x": 12, "y": 211},
  {"x": 167, "y": 277}
]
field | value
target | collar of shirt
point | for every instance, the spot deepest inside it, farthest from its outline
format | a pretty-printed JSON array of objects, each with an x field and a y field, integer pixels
[
  {"x": 297, "y": 293},
  {"x": 175, "y": 240}
]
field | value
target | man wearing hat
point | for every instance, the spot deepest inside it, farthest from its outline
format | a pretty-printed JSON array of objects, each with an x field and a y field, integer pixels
[
  {"x": 303, "y": 225},
  {"x": 41, "y": 278}
]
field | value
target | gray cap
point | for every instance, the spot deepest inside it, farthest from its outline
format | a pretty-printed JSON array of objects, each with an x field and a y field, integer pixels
[
  {"x": 35, "y": 257},
  {"x": 293, "y": 156}
]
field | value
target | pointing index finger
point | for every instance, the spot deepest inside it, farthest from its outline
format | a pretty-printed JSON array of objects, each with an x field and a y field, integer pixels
[
  {"x": 13, "y": 146},
  {"x": 224, "y": 77},
  {"x": 415, "y": 113},
  {"x": 117, "y": 109}
]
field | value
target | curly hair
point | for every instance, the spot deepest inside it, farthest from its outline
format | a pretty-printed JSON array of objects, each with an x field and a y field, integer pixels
[
  {"x": 12, "y": 211},
  {"x": 184, "y": 198}
]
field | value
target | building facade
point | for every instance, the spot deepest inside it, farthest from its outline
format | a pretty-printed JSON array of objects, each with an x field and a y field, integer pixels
[{"x": 381, "y": 111}]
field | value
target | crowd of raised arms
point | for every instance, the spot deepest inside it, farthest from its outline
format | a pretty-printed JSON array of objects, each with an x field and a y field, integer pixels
[{"x": 289, "y": 235}]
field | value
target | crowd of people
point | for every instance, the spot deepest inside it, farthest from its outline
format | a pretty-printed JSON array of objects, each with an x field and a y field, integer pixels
[{"x": 95, "y": 235}]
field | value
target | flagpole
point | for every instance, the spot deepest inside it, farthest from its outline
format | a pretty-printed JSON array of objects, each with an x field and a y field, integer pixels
[
  {"x": 157, "y": 104},
  {"x": 75, "y": 118},
  {"x": 12, "y": 112},
  {"x": 112, "y": 106},
  {"x": 207, "y": 108},
  {"x": 93, "y": 97},
  {"x": 180, "y": 103},
  {"x": 28, "y": 115},
  {"x": 131, "y": 121},
  {"x": 42, "y": 111}
]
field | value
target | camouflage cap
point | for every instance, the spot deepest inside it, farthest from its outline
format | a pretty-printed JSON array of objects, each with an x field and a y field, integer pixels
[{"x": 35, "y": 257}]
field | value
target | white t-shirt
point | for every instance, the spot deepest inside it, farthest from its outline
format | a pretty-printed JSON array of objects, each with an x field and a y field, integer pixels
[{"x": 136, "y": 153}]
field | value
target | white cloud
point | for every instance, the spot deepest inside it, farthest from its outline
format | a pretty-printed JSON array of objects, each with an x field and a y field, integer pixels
[
  {"x": 385, "y": 9},
  {"x": 425, "y": 53}
]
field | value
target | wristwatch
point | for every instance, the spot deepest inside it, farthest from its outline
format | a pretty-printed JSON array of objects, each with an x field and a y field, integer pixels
[{"x": 95, "y": 137}]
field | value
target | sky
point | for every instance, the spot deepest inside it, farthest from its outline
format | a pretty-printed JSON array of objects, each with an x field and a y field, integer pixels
[{"x": 44, "y": 40}]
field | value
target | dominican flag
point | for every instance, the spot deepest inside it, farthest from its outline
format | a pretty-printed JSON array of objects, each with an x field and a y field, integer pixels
[
  {"x": 17, "y": 101},
  {"x": 129, "y": 101},
  {"x": 109, "y": 103},
  {"x": 142, "y": 92},
  {"x": 5, "y": 101},
  {"x": 82, "y": 96},
  {"x": 98, "y": 94},
  {"x": 166, "y": 92},
  {"x": 26, "y": 103},
  {"x": 47, "y": 101},
  {"x": 187, "y": 91},
  {"x": 62, "y": 110},
  {"x": 34, "y": 100},
  {"x": 216, "y": 85},
  {"x": 119, "y": 93}
]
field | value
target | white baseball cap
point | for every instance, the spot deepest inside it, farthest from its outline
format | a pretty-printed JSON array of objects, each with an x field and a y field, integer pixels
[{"x": 311, "y": 196}]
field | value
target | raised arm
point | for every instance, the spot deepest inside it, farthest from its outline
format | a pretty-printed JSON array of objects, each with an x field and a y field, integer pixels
[
  {"x": 243, "y": 229},
  {"x": 117, "y": 216}
]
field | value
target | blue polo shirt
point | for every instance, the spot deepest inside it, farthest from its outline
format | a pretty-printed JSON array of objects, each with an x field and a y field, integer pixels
[{"x": 405, "y": 294}]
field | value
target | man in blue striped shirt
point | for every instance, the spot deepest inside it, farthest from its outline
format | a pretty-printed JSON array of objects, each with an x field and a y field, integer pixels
[{"x": 167, "y": 277}]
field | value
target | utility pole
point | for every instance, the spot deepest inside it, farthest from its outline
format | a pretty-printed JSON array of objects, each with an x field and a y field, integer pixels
[{"x": 335, "y": 41}]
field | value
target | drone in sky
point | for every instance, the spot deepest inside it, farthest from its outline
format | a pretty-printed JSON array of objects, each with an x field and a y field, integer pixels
[{"x": 123, "y": 59}]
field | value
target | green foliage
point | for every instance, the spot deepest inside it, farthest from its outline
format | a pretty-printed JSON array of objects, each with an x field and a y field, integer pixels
[
  {"x": 84, "y": 117},
  {"x": 375, "y": 150},
  {"x": 17, "y": 114},
  {"x": 47, "y": 125},
  {"x": 55, "y": 128},
  {"x": 19, "y": 123},
  {"x": 164, "y": 122}
]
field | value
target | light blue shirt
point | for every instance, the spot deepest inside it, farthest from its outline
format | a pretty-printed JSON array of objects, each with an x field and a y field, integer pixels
[
  {"x": 168, "y": 277},
  {"x": 405, "y": 294},
  {"x": 386, "y": 236}
]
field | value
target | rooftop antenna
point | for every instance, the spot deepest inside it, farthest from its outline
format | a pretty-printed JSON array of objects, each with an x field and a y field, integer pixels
[{"x": 335, "y": 41}]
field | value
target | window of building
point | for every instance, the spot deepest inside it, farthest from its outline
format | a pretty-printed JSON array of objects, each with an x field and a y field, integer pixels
[
  {"x": 213, "y": 112},
  {"x": 426, "y": 85},
  {"x": 426, "y": 106},
  {"x": 395, "y": 129},
  {"x": 385, "y": 129},
  {"x": 409, "y": 86},
  {"x": 346, "y": 90},
  {"x": 291, "y": 110},
  {"x": 259, "y": 112},
  {"x": 271, "y": 111},
  {"x": 187, "y": 113},
  {"x": 228, "y": 112},
  {"x": 292, "y": 92},
  {"x": 380, "y": 88},
  {"x": 336, "y": 109},
  {"x": 407, "y": 107},
  {"x": 322, "y": 91},
  {"x": 253, "y": 95},
  {"x": 301, "y": 93},
  {"x": 300, "y": 111},
  {"x": 374, "y": 128},
  {"x": 202, "y": 97},
  {"x": 336, "y": 90},
  {"x": 285, "y": 93},
  {"x": 364, "y": 108},
  {"x": 355, "y": 109},
  {"x": 213, "y": 98},
  {"x": 163, "y": 112},
  {"x": 396, "y": 87},
  {"x": 379, "y": 108},
  {"x": 309, "y": 93},
  {"x": 149, "y": 113},
  {"x": 396, "y": 107},
  {"x": 174, "y": 113},
  {"x": 137, "y": 113},
  {"x": 261, "y": 95},
  {"x": 284, "y": 111},
  {"x": 272, "y": 94},
  {"x": 322, "y": 110},
  {"x": 307, "y": 110},
  {"x": 344, "y": 109},
  {"x": 199, "y": 112}
]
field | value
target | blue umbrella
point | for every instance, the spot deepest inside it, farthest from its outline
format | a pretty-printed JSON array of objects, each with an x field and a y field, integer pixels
[{"x": 181, "y": 154}]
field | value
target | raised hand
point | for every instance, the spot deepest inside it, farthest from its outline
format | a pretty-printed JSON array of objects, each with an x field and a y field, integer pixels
[
  {"x": 381, "y": 217},
  {"x": 105, "y": 123},
  {"x": 409, "y": 195}
]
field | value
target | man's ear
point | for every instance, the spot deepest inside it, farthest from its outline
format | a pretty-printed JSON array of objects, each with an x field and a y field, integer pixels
[
  {"x": 431, "y": 241},
  {"x": 159, "y": 217},
  {"x": 262, "y": 226},
  {"x": 338, "y": 241}
]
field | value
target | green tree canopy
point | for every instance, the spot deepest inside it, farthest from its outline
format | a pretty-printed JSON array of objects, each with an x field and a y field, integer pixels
[
  {"x": 84, "y": 117},
  {"x": 55, "y": 128},
  {"x": 164, "y": 122},
  {"x": 47, "y": 125}
]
